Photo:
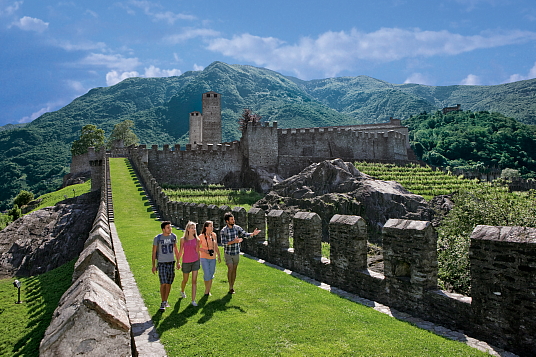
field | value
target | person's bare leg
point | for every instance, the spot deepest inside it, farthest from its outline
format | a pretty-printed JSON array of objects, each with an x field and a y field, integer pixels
[
  {"x": 231, "y": 275},
  {"x": 164, "y": 291},
  {"x": 185, "y": 277},
  {"x": 208, "y": 286},
  {"x": 194, "y": 284}
]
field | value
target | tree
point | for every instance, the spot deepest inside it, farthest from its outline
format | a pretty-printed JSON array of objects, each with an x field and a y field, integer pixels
[
  {"x": 123, "y": 131},
  {"x": 23, "y": 198},
  {"x": 248, "y": 117},
  {"x": 90, "y": 136},
  {"x": 15, "y": 212},
  {"x": 510, "y": 173}
]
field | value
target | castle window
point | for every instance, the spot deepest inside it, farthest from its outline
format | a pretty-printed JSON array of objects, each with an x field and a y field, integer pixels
[
  {"x": 215, "y": 95},
  {"x": 208, "y": 95}
]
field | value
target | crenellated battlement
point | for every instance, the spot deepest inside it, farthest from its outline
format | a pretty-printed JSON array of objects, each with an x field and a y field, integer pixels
[
  {"x": 264, "y": 149},
  {"x": 501, "y": 311}
]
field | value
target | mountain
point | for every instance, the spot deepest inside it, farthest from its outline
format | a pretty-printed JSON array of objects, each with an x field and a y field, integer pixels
[
  {"x": 11, "y": 126},
  {"x": 36, "y": 156},
  {"x": 371, "y": 100}
]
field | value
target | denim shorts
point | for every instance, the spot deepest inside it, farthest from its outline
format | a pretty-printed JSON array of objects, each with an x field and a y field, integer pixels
[{"x": 209, "y": 267}]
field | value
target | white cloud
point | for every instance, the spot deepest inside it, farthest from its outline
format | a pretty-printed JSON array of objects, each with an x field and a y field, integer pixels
[
  {"x": 92, "y": 13},
  {"x": 82, "y": 46},
  {"x": 518, "y": 77},
  {"x": 333, "y": 52},
  {"x": 471, "y": 80},
  {"x": 11, "y": 9},
  {"x": 188, "y": 34},
  {"x": 149, "y": 10},
  {"x": 27, "y": 23},
  {"x": 114, "y": 77},
  {"x": 48, "y": 108},
  {"x": 198, "y": 68},
  {"x": 418, "y": 78},
  {"x": 77, "y": 86},
  {"x": 116, "y": 62},
  {"x": 153, "y": 71},
  {"x": 473, "y": 4}
]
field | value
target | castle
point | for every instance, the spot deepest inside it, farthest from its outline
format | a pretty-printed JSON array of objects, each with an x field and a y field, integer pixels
[
  {"x": 502, "y": 306},
  {"x": 264, "y": 151}
]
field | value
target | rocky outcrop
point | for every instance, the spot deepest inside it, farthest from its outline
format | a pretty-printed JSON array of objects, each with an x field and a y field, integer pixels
[
  {"x": 47, "y": 238},
  {"x": 337, "y": 187}
]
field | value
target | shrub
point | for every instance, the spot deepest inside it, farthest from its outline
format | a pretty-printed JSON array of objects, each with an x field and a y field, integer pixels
[
  {"x": 484, "y": 206},
  {"x": 15, "y": 212},
  {"x": 23, "y": 198}
]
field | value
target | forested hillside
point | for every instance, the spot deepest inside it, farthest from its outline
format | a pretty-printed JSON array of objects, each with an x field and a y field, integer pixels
[
  {"x": 35, "y": 157},
  {"x": 471, "y": 139}
]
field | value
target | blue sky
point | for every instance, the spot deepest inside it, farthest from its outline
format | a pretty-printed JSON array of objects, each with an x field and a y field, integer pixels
[{"x": 54, "y": 51}]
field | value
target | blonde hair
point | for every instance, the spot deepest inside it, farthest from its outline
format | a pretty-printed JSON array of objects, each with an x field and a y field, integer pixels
[{"x": 190, "y": 223}]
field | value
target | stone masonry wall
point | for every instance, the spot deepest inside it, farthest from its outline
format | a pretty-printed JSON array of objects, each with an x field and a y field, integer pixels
[
  {"x": 503, "y": 273},
  {"x": 298, "y": 148},
  {"x": 213, "y": 163},
  {"x": 501, "y": 312},
  {"x": 92, "y": 317}
]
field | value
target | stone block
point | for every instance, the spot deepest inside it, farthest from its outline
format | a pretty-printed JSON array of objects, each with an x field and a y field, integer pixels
[
  {"x": 98, "y": 254},
  {"x": 100, "y": 235},
  {"x": 91, "y": 319}
]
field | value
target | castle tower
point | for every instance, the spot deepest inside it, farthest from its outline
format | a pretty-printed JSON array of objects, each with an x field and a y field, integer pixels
[
  {"x": 196, "y": 128},
  {"x": 211, "y": 127},
  {"x": 205, "y": 127}
]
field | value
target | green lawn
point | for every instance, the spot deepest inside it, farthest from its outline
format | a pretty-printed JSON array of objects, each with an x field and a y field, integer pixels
[
  {"x": 50, "y": 199},
  {"x": 272, "y": 313},
  {"x": 23, "y": 325}
]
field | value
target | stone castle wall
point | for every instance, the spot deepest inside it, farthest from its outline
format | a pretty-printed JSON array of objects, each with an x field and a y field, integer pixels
[
  {"x": 92, "y": 317},
  {"x": 298, "y": 148},
  {"x": 198, "y": 163},
  {"x": 502, "y": 310}
]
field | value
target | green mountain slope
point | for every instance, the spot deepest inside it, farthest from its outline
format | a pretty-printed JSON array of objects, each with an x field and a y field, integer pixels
[
  {"x": 370, "y": 100},
  {"x": 36, "y": 156}
]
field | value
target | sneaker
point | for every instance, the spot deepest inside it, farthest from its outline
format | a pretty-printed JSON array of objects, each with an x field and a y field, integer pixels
[
  {"x": 209, "y": 294},
  {"x": 231, "y": 291},
  {"x": 163, "y": 306},
  {"x": 167, "y": 304},
  {"x": 183, "y": 295},
  {"x": 194, "y": 303}
]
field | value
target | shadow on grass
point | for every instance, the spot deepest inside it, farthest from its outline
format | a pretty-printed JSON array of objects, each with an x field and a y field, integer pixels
[
  {"x": 178, "y": 319},
  {"x": 42, "y": 294}
]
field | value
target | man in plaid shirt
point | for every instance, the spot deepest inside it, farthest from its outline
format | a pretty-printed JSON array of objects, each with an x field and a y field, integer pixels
[{"x": 231, "y": 236}]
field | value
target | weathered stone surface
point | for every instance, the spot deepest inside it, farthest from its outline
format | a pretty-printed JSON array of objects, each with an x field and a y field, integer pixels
[
  {"x": 99, "y": 255},
  {"x": 100, "y": 235},
  {"x": 91, "y": 319},
  {"x": 47, "y": 238},
  {"x": 503, "y": 286},
  {"x": 337, "y": 187}
]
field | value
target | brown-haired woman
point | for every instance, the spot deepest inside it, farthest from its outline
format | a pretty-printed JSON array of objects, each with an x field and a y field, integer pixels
[{"x": 209, "y": 251}]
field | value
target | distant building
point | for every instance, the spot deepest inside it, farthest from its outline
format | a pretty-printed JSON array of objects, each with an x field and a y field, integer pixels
[
  {"x": 205, "y": 127},
  {"x": 452, "y": 109},
  {"x": 263, "y": 148}
]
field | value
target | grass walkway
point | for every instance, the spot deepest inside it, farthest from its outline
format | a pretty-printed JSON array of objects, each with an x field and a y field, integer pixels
[{"x": 272, "y": 313}]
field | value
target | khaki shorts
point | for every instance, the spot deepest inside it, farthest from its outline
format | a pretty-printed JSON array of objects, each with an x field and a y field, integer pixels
[
  {"x": 232, "y": 259},
  {"x": 190, "y": 267}
]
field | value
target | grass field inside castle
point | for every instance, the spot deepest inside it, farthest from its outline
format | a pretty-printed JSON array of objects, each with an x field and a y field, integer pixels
[{"x": 272, "y": 313}]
